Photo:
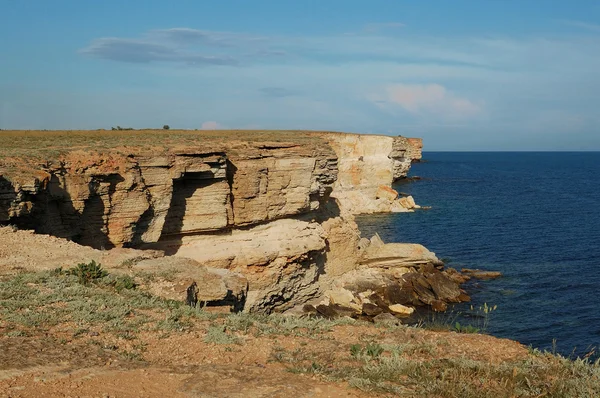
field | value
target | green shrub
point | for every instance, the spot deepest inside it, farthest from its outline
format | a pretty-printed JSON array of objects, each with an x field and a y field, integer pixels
[
  {"x": 374, "y": 350},
  {"x": 166, "y": 127},
  {"x": 87, "y": 273},
  {"x": 465, "y": 328},
  {"x": 124, "y": 282}
]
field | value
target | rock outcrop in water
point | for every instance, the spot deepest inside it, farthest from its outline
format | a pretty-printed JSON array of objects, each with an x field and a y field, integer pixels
[{"x": 279, "y": 213}]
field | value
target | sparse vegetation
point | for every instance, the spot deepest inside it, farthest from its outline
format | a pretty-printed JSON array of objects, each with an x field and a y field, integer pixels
[
  {"x": 87, "y": 296},
  {"x": 403, "y": 370},
  {"x": 465, "y": 328},
  {"x": 110, "y": 313}
]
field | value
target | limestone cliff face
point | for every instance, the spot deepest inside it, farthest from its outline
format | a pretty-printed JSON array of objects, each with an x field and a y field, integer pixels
[
  {"x": 279, "y": 213},
  {"x": 368, "y": 164}
]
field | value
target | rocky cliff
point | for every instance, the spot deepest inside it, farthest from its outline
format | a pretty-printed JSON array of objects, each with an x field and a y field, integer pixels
[{"x": 275, "y": 209}]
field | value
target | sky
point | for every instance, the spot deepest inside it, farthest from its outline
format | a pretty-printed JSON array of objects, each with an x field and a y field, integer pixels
[{"x": 463, "y": 75}]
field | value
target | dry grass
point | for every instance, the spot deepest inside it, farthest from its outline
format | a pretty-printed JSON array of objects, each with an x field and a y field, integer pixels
[
  {"x": 71, "y": 321},
  {"x": 52, "y": 144}
]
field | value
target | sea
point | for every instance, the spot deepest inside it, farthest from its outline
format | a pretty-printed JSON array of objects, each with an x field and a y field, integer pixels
[{"x": 535, "y": 217}]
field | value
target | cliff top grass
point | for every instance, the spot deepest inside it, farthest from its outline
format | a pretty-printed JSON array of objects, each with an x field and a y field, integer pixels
[
  {"x": 52, "y": 325},
  {"x": 51, "y": 144},
  {"x": 23, "y": 153}
]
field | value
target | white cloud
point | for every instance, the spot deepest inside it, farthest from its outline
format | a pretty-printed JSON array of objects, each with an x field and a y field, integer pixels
[
  {"x": 428, "y": 99},
  {"x": 211, "y": 126}
]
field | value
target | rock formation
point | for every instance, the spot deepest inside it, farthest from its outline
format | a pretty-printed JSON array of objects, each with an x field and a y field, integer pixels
[
  {"x": 278, "y": 213},
  {"x": 368, "y": 165}
]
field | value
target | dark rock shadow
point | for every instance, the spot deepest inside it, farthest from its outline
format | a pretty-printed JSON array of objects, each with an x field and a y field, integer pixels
[
  {"x": 53, "y": 213},
  {"x": 7, "y": 196},
  {"x": 183, "y": 189}
]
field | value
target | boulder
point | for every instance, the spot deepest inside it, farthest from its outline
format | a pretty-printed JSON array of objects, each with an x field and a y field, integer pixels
[
  {"x": 444, "y": 288},
  {"x": 171, "y": 277},
  {"x": 401, "y": 310},
  {"x": 386, "y": 319},
  {"x": 397, "y": 255},
  {"x": 456, "y": 276},
  {"x": 439, "y": 306},
  {"x": 407, "y": 202},
  {"x": 344, "y": 298},
  {"x": 371, "y": 309},
  {"x": 387, "y": 193}
]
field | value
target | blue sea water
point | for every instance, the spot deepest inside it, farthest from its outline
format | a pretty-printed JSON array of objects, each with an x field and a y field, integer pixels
[{"x": 533, "y": 216}]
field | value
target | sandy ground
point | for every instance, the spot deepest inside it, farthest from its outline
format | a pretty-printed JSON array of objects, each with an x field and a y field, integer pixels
[
  {"x": 183, "y": 365},
  {"x": 23, "y": 250}
]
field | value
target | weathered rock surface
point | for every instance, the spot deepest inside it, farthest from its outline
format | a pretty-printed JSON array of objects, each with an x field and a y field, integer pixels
[
  {"x": 112, "y": 199},
  {"x": 215, "y": 287},
  {"x": 368, "y": 164},
  {"x": 282, "y": 260},
  {"x": 379, "y": 254}
]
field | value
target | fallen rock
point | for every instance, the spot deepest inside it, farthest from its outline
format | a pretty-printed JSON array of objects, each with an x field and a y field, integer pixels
[
  {"x": 371, "y": 309},
  {"x": 386, "y": 192},
  {"x": 389, "y": 255},
  {"x": 344, "y": 298},
  {"x": 386, "y": 319},
  {"x": 332, "y": 311},
  {"x": 439, "y": 306},
  {"x": 309, "y": 309},
  {"x": 326, "y": 311},
  {"x": 408, "y": 202},
  {"x": 400, "y": 309},
  {"x": 464, "y": 297},
  {"x": 456, "y": 276},
  {"x": 445, "y": 289},
  {"x": 397, "y": 293}
]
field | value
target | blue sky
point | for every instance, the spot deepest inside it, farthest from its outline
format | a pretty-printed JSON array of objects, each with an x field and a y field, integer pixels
[{"x": 464, "y": 75}]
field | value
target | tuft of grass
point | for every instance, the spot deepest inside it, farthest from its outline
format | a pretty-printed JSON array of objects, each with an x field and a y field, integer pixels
[
  {"x": 465, "y": 328},
  {"x": 124, "y": 282},
  {"x": 217, "y": 334},
  {"x": 549, "y": 375}
]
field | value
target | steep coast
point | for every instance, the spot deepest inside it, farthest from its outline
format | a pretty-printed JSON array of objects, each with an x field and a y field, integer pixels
[{"x": 274, "y": 208}]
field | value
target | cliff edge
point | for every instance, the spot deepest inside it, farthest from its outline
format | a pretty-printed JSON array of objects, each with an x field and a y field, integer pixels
[{"x": 274, "y": 207}]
